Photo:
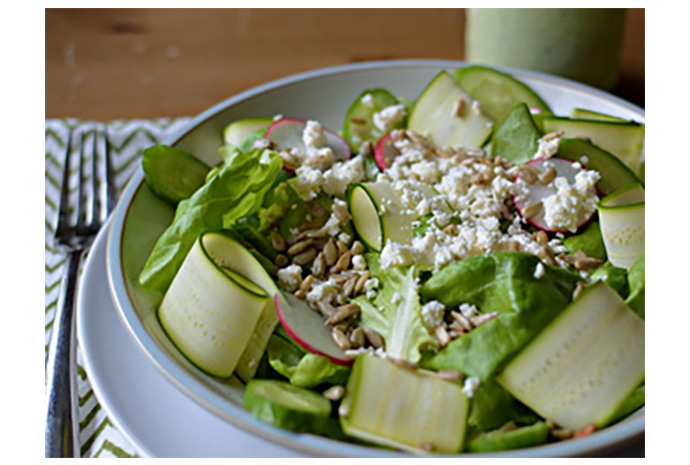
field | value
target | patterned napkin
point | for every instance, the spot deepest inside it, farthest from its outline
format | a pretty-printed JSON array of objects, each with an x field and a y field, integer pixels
[{"x": 97, "y": 435}]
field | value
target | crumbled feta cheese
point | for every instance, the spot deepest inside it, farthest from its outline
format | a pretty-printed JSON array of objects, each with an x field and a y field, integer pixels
[
  {"x": 344, "y": 237},
  {"x": 468, "y": 310},
  {"x": 323, "y": 291},
  {"x": 396, "y": 299},
  {"x": 342, "y": 174},
  {"x": 471, "y": 384},
  {"x": 318, "y": 154},
  {"x": 547, "y": 148},
  {"x": 432, "y": 314},
  {"x": 307, "y": 182},
  {"x": 368, "y": 100},
  {"x": 290, "y": 278},
  {"x": 389, "y": 117},
  {"x": 359, "y": 262},
  {"x": 573, "y": 203},
  {"x": 539, "y": 271}
]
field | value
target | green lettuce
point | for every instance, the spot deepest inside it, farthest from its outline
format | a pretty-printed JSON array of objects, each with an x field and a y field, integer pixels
[
  {"x": 237, "y": 190},
  {"x": 616, "y": 278},
  {"x": 504, "y": 283},
  {"x": 635, "y": 299},
  {"x": 302, "y": 368},
  {"x": 492, "y": 407},
  {"x": 398, "y": 320},
  {"x": 589, "y": 241},
  {"x": 516, "y": 137}
]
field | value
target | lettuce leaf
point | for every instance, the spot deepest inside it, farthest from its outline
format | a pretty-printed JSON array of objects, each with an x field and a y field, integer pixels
[
  {"x": 400, "y": 324},
  {"x": 237, "y": 190},
  {"x": 303, "y": 369},
  {"x": 502, "y": 283},
  {"x": 636, "y": 281}
]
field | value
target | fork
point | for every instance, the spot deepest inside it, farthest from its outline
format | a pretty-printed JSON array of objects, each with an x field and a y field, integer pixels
[{"x": 74, "y": 234}]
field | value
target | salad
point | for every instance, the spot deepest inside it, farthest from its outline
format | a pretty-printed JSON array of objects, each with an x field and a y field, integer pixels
[{"x": 459, "y": 273}]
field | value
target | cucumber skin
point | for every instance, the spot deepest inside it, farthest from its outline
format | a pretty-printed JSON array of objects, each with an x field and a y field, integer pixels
[
  {"x": 381, "y": 96},
  {"x": 284, "y": 416},
  {"x": 461, "y": 75},
  {"x": 155, "y": 173},
  {"x": 526, "y": 436}
]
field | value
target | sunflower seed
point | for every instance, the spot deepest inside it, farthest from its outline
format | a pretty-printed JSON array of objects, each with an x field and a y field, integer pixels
[
  {"x": 357, "y": 120},
  {"x": 562, "y": 433},
  {"x": 334, "y": 393},
  {"x": 342, "y": 247},
  {"x": 281, "y": 261},
  {"x": 548, "y": 176},
  {"x": 319, "y": 266},
  {"x": 361, "y": 281},
  {"x": 354, "y": 353},
  {"x": 552, "y": 135},
  {"x": 531, "y": 210},
  {"x": 305, "y": 257},
  {"x": 340, "y": 339},
  {"x": 343, "y": 313},
  {"x": 349, "y": 286},
  {"x": 451, "y": 375},
  {"x": 528, "y": 174},
  {"x": 330, "y": 252},
  {"x": 357, "y": 337},
  {"x": 483, "y": 318},
  {"x": 374, "y": 338},
  {"x": 541, "y": 237},
  {"x": 343, "y": 262},
  {"x": 300, "y": 294},
  {"x": 325, "y": 308},
  {"x": 442, "y": 336},
  {"x": 459, "y": 108},
  {"x": 357, "y": 248},
  {"x": 579, "y": 287},
  {"x": 299, "y": 247},
  {"x": 460, "y": 318},
  {"x": 307, "y": 283},
  {"x": 547, "y": 256},
  {"x": 278, "y": 242}
]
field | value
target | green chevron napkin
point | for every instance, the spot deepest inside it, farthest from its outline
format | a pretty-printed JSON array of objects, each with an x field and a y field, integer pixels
[{"x": 97, "y": 434}]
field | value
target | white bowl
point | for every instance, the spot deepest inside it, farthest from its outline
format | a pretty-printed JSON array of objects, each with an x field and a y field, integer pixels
[{"x": 323, "y": 95}]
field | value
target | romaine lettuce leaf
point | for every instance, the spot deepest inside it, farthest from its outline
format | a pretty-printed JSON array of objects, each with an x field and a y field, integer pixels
[
  {"x": 492, "y": 407},
  {"x": 635, "y": 299},
  {"x": 303, "y": 369},
  {"x": 237, "y": 190},
  {"x": 400, "y": 323},
  {"x": 504, "y": 283}
]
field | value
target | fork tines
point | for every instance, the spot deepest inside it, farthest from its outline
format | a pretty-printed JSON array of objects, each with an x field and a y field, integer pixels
[{"x": 94, "y": 197}]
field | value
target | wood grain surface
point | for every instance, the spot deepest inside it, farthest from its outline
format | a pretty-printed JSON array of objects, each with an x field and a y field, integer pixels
[{"x": 108, "y": 64}]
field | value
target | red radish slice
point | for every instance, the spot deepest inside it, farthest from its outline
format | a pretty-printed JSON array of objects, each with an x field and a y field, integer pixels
[
  {"x": 385, "y": 152},
  {"x": 537, "y": 192},
  {"x": 286, "y": 133},
  {"x": 306, "y": 327}
]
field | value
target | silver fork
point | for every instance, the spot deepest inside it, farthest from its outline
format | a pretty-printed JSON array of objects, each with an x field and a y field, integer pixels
[{"x": 74, "y": 234}]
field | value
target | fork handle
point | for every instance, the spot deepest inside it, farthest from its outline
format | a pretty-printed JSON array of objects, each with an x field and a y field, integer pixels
[{"x": 61, "y": 438}]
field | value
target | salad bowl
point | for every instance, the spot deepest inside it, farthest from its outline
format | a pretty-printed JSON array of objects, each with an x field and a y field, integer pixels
[{"x": 322, "y": 95}]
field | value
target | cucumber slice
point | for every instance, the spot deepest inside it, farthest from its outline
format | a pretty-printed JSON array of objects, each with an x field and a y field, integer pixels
[
  {"x": 359, "y": 120},
  {"x": 237, "y": 258},
  {"x": 516, "y": 137},
  {"x": 209, "y": 311},
  {"x": 287, "y": 406},
  {"x": 173, "y": 174},
  {"x": 614, "y": 173},
  {"x": 394, "y": 406},
  {"x": 527, "y": 436},
  {"x": 581, "y": 113},
  {"x": 438, "y": 113},
  {"x": 238, "y": 131},
  {"x": 580, "y": 369},
  {"x": 621, "y": 215},
  {"x": 496, "y": 91},
  {"x": 624, "y": 140},
  {"x": 634, "y": 401},
  {"x": 378, "y": 215}
]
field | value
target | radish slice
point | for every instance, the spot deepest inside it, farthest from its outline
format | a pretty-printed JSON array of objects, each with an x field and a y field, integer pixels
[
  {"x": 306, "y": 328},
  {"x": 286, "y": 133},
  {"x": 528, "y": 202},
  {"x": 385, "y": 152}
]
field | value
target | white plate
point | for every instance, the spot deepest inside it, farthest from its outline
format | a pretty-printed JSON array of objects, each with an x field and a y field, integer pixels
[
  {"x": 157, "y": 418},
  {"x": 323, "y": 95}
]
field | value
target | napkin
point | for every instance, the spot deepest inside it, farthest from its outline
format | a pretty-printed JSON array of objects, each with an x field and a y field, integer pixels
[{"x": 98, "y": 437}]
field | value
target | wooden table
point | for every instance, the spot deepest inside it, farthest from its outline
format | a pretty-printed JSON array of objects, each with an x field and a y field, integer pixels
[{"x": 125, "y": 63}]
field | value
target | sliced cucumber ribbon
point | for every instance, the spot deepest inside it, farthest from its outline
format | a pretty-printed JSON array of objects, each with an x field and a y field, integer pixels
[
  {"x": 621, "y": 216},
  {"x": 211, "y": 309}
]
